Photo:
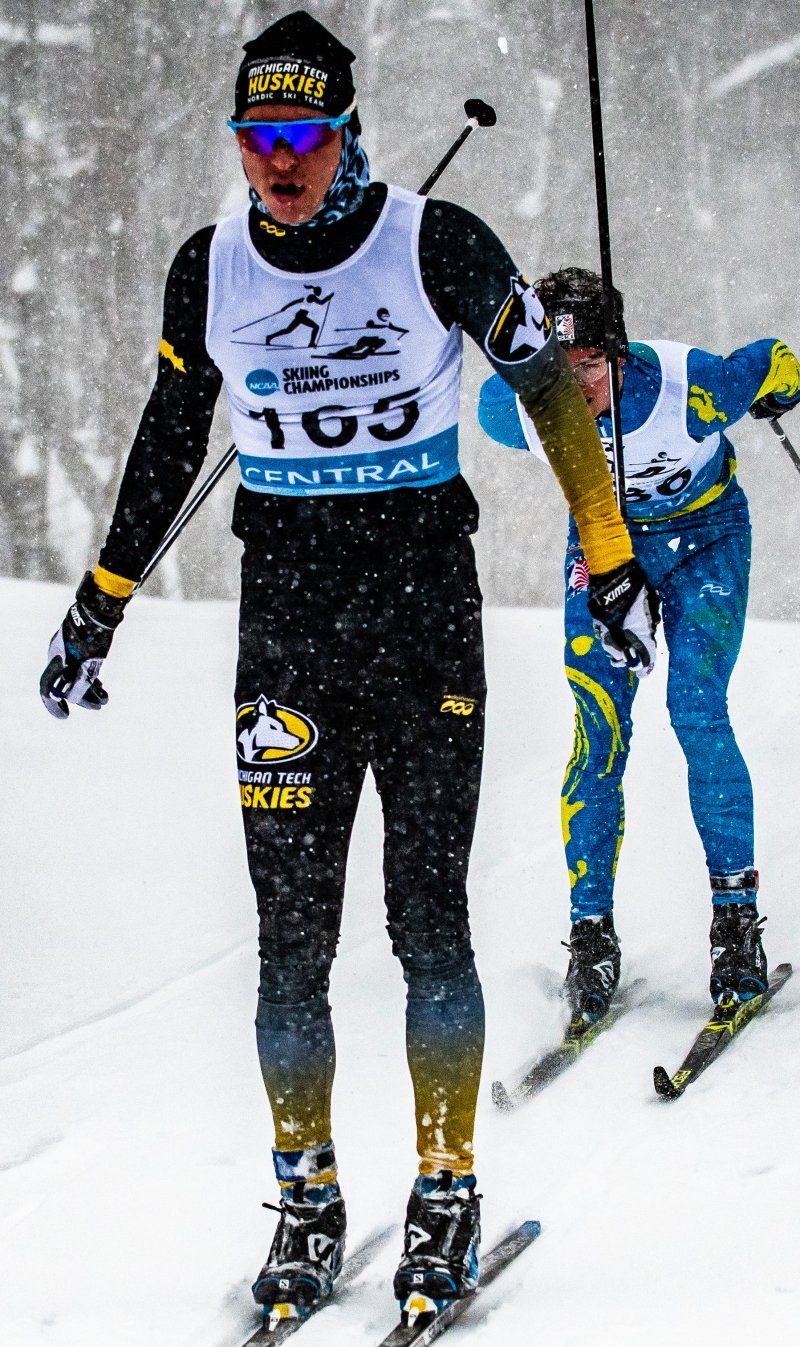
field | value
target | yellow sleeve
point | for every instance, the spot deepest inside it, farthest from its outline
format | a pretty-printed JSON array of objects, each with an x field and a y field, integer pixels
[
  {"x": 115, "y": 585},
  {"x": 570, "y": 440}
]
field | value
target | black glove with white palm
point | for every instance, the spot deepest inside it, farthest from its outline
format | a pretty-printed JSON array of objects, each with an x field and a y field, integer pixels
[
  {"x": 625, "y": 612},
  {"x": 769, "y": 407},
  {"x": 78, "y": 649}
]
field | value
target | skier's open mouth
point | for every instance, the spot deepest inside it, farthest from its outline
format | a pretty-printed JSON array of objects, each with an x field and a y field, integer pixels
[{"x": 286, "y": 189}]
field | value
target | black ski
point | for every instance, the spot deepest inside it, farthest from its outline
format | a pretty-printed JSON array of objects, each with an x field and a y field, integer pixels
[
  {"x": 715, "y": 1036},
  {"x": 492, "y": 1264},
  {"x": 576, "y": 1040},
  {"x": 354, "y": 1264}
]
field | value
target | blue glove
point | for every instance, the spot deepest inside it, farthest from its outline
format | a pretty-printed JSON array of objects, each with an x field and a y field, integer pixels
[
  {"x": 625, "y": 611},
  {"x": 78, "y": 649}
]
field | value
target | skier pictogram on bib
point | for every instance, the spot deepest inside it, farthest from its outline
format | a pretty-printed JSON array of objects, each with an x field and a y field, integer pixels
[{"x": 304, "y": 324}]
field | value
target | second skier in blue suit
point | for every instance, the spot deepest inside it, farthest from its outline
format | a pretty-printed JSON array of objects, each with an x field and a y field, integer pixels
[{"x": 689, "y": 522}]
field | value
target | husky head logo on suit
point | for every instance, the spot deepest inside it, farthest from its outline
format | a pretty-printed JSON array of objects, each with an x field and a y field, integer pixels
[
  {"x": 267, "y": 732},
  {"x": 521, "y": 326}
]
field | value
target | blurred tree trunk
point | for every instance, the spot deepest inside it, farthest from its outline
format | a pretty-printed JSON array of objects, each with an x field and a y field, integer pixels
[{"x": 30, "y": 365}]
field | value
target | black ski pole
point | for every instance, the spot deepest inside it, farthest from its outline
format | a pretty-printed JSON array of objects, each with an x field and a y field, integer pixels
[
  {"x": 479, "y": 114},
  {"x": 611, "y": 339},
  {"x": 785, "y": 441},
  {"x": 192, "y": 506}
]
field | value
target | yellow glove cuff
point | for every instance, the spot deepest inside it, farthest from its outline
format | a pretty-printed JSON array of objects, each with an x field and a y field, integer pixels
[{"x": 115, "y": 585}]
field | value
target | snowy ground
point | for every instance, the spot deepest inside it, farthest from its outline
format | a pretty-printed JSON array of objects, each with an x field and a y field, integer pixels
[{"x": 134, "y": 1141}]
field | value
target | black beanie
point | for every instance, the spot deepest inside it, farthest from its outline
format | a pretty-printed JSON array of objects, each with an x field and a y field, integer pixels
[{"x": 295, "y": 60}]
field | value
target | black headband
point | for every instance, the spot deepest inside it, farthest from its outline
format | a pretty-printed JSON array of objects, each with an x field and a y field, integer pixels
[{"x": 579, "y": 322}]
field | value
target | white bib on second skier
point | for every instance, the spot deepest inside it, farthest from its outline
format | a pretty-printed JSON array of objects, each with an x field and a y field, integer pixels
[
  {"x": 666, "y": 470},
  {"x": 341, "y": 380}
]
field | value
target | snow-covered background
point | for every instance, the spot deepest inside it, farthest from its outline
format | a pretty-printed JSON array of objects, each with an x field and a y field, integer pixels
[
  {"x": 134, "y": 1133},
  {"x": 115, "y": 149}
]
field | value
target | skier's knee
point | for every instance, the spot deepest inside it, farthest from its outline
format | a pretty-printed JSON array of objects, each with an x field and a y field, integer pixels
[
  {"x": 433, "y": 968},
  {"x": 276, "y": 1013},
  {"x": 297, "y": 951},
  {"x": 447, "y": 987},
  {"x": 294, "y": 980},
  {"x": 598, "y": 760},
  {"x": 700, "y": 729}
]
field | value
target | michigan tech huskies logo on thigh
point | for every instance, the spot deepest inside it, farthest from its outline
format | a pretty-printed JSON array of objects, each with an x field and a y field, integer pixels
[{"x": 268, "y": 733}]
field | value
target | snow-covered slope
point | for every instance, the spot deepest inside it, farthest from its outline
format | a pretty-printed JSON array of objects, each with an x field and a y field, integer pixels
[{"x": 135, "y": 1138}]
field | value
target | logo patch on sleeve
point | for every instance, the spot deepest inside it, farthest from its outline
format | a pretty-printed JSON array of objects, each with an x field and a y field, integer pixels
[
  {"x": 166, "y": 350},
  {"x": 521, "y": 326}
]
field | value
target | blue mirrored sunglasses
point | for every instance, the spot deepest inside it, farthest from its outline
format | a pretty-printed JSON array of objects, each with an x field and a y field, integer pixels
[{"x": 302, "y": 137}]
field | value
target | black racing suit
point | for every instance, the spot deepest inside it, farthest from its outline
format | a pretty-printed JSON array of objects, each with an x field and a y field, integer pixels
[{"x": 363, "y": 611}]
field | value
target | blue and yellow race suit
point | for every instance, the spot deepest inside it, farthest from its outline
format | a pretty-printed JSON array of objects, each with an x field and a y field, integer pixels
[{"x": 690, "y": 527}]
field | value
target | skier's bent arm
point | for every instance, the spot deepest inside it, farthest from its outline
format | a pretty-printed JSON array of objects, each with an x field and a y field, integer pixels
[
  {"x": 570, "y": 440},
  {"x": 621, "y": 602},
  {"x": 470, "y": 279},
  {"x": 165, "y": 459},
  {"x": 763, "y": 376}
]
